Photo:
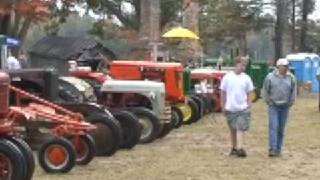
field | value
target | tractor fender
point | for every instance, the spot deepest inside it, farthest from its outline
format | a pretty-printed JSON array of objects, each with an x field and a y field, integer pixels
[{"x": 86, "y": 109}]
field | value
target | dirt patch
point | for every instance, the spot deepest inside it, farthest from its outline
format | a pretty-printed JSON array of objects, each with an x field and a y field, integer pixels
[{"x": 200, "y": 152}]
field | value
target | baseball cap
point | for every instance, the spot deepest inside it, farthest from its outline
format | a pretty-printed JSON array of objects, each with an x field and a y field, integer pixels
[{"x": 282, "y": 62}]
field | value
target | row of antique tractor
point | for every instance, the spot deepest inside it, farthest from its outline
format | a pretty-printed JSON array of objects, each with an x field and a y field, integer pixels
[{"x": 71, "y": 118}]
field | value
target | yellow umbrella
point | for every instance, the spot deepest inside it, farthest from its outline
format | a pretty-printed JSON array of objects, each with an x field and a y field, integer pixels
[{"x": 180, "y": 32}]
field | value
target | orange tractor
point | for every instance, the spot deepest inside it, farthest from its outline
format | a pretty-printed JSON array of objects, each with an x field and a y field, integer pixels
[
  {"x": 184, "y": 109},
  {"x": 69, "y": 142}
]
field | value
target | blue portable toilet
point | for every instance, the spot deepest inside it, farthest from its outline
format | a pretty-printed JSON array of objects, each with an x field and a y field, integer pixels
[
  {"x": 315, "y": 82},
  {"x": 303, "y": 63},
  {"x": 296, "y": 61},
  {"x": 307, "y": 71}
]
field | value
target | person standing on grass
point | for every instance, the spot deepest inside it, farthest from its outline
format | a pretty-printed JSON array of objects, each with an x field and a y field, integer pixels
[
  {"x": 236, "y": 87},
  {"x": 279, "y": 91}
]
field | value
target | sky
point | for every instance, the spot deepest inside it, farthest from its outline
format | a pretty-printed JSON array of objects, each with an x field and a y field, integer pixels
[{"x": 315, "y": 15}]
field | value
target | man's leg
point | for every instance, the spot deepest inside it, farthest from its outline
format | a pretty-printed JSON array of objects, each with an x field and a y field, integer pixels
[
  {"x": 233, "y": 133},
  {"x": 283, "y": 117},
  {"x": 240, "y": 144},
  {"x": 233, "y": 136},
  {"x": 273, "y": 128},
  {"x": 240, "y": 139}
]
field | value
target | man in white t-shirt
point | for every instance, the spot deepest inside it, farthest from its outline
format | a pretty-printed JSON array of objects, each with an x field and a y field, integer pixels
[{"x": 236, "y": 87}]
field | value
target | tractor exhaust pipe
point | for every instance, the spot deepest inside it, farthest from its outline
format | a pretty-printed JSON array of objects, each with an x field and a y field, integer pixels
[{"x": 4, "y": 94}]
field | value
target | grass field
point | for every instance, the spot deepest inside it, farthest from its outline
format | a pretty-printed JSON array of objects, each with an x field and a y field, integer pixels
[{"x": 200, "y": 152}]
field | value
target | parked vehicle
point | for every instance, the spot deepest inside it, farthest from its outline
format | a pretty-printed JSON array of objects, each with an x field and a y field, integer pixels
[
  {"x": 185, "y": 109},
  {"x": 146, "y": 99}
]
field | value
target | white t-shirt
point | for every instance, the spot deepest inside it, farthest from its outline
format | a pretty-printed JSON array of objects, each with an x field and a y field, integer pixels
[
  {"x": 236, "y": 88},
  {"x": 13, "y": 63}
]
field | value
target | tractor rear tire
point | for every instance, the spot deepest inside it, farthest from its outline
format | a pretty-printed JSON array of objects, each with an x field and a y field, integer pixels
[
  {"x": 207, "y": 106},
  {"x": 211, "y": 105},
  {"x": 195, "y": 112},
  {"x": 131, "y": 128},
  {"x": 11, "y": 155},
  {"x": 27, "y": 154},
  {"x": 85, "y": 150},
  {"x": 58, "y": 155},
  {"x": 200, "y": 104},
  {"x": 166, "y": 129},
  {"x": 150, "y": 124},
  {"x": 177, "y": 117},
  {"x": 107, "y": 136}
]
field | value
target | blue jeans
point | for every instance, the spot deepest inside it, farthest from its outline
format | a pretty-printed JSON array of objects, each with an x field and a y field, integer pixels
[{"x": 278, "y": 116}]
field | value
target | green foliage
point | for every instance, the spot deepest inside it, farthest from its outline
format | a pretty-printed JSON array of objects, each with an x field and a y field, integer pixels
[
  {"x": 97, "y": 30},
  {"x": 170, "y": 10},
  {"x": 230, "y": 18},
  {"x": 131, "y": 19}
]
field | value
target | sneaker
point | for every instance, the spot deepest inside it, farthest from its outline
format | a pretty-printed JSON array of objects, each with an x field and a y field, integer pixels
[
  {"x": 273, "y": 153},
  {"x": 241, "y": 153},
  {"x": 233, "y": 152}
]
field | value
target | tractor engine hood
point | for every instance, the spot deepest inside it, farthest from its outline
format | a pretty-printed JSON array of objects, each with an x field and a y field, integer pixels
[
  {"x": 82, "y": 86},
  {"x": 132, "y": 86}
]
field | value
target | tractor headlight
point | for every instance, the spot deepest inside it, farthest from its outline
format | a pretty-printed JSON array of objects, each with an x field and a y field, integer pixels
[{"x": 152, "y": 95}]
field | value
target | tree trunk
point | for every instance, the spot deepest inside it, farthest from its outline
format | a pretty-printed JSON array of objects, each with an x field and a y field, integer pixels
[
  {"x": 242, "y": 39},
  {"x": 150, "y": 20},
  {"x": 280, "y": 27},
  {"x": 24, "y": 29},
  {"x": 191, "y": 21},
  {"x": 16, "y": 25},
  {"x": 4, "y": 24},
  {"x": 304, "y": 25},
  {"x": 293, "y": 29}
]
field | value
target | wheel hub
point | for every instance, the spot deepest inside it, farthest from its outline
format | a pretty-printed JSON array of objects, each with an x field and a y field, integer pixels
[
  {"x": 147, "y": 127},
  {"x": 56, "y": 156},
  {"x": 5, "y": 167}
]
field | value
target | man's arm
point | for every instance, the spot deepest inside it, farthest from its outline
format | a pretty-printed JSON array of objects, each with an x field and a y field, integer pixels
[
  {"x": 249, "y": 101},
  {"x": 250, "y": 90},
  {"x": 293, "y": 94},
  {"x": 223, "y": 99},
  {"x": 266, "y": 90},
  {"x": 223, "y": 92}
]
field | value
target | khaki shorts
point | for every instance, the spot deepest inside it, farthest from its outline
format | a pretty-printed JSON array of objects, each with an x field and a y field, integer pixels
[{"x": 239, "y": 120}]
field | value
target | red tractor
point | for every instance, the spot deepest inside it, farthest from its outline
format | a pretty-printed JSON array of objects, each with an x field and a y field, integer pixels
[
  {"x": 184, "y": 109},
  {"x": 206, "y": 84},
  {"x": 69, "y": 142},
  {"x": 77, "y": 97}
]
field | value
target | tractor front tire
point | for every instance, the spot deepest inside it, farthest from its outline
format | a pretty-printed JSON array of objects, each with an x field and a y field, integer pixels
[
  {"x": 200, "y": 104},
  {"x": 27, "y": 154},
  {"x": 150, "y": 124},
  {"x": 85, "y": 148},
  {"x": 195, "y": 112},
  {"x": 58, "y": 155},
  {"x": 13, "y": 163},
  {"x": 166, "y": 129},
  {"x": 177, "y": 117}
]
